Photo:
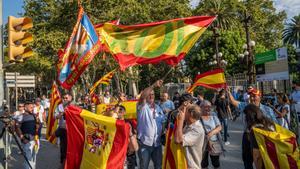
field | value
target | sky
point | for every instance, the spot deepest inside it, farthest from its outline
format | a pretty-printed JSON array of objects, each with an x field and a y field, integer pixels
[
  {"x": 11, "y": 7},
  {"x": 292, "y": 7}
]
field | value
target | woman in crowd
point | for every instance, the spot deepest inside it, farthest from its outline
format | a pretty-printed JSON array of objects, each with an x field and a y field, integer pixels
[
  {"x": 212, "y": 128},
  {"x": 283, "y": 110},
  {"x": 255, "y": 118}
]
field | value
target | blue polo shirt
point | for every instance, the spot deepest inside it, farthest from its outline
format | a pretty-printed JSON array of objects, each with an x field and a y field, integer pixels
[
  {"x": 150, "y": 123},
  {"x": 267, "y": 111},
  {"x": 167, "y": 105}
]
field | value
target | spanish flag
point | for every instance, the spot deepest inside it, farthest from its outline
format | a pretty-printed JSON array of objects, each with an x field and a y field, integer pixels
[
  {"x": 173, "y": 157},
  {"x": 95, "y": 141},
  {"x": 149, "y": 43},
  {"x": 212, "y": 79},
  {"x": 278, "y": 148},
  {"x": 103, "y": 80},
  {"x": 52, "y": 121},
  {"x": 130, "y": 107}
]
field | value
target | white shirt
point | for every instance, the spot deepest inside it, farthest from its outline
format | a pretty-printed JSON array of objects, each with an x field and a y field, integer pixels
[
  {"x": 246, "y": 97},
  {"x": 61, "y": 121},
  {"x": 39, "y": 111},
  {"x": 106, "y": 100}
]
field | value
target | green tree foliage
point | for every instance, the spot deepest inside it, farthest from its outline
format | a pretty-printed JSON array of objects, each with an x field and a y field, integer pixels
[
  {"x": 291, "y": 34},
  {"x": 266, "y": 26},
  {"x": 55, "y": 19}
]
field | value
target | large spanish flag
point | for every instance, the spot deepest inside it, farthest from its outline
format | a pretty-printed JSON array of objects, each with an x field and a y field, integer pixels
[
  {"x": 80, "y": 50},
  {"x": 213, "y": 79},
  {"x": 103, "y": 80},
  {"x": 130, "y": 107},
  {"x": 95, "y": 141},
  {"x": 52, "y": 121},
  {"x": 278, "y": 148},
  {"x": 167, "y": 41},
  {"x": 173, "y": 157}
]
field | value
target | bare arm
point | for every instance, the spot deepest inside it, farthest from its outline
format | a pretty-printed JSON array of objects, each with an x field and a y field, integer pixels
[
  {"x": 180, "y": 121},
  {"x": 214, "y": 131},
  {"x": 234, "y": 102},
  {"x": 257, "y": 159},
  {"x": 146, "y": 92}
]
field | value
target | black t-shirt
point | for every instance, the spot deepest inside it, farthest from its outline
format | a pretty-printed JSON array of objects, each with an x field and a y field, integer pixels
[{"x": 221, "y": 107}]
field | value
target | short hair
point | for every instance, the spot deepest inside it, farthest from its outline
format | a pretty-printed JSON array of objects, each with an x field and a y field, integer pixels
[
  {"x": 185, "y": 97},
  {"x": 194, "y": 111},
  {"x": 205, "y": 103}
]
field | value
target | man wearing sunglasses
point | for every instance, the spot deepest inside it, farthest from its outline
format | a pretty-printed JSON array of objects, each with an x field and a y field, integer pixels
[
  {"x": 61, "y": 132},
  {"x": 150, "y": 119}
]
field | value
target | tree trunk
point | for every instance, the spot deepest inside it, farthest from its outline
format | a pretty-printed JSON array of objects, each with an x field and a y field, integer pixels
[{"x": 132, "y": 84}]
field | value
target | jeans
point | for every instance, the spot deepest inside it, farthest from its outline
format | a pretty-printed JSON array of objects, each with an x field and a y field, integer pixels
[
  {"x": 247, "y": 152},
  {"x": 40, "y": 130},
  {"x": 146, "y": 152},
  {"x": 225, "y": 126},
  {"x": 63, "y": 144},
  {"x": 131, "y": 161},
  {"x": 215, "y": 160},
  {"x": 30, "y": 154}
]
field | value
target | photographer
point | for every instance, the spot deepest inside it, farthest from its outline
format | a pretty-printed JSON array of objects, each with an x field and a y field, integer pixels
[{"x": 27, "y": 126}]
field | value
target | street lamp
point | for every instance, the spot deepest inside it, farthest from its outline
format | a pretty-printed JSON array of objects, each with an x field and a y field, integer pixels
[
  {"x": 217, "y": 57},
  {"x": 248, "y": 47}
]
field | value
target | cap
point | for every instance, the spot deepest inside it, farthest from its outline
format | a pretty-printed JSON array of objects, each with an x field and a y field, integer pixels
[
  {"x": 37, "y": 100},
  {"x": 254, "y": 92}
]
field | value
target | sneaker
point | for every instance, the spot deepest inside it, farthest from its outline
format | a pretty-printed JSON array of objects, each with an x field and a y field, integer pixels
[{"x": 227, "y": 143}]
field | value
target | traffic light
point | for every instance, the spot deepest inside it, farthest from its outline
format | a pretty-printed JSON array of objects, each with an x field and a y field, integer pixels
[{"x": 18, "y": 38}]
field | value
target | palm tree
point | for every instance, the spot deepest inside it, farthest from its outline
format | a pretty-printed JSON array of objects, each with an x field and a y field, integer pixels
[
  {"x": 224, "y": 9},
  {"x": 291, "y": 34}
]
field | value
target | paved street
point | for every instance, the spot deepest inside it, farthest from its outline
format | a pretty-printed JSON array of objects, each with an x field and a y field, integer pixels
[{"x": 48, "y": 156}]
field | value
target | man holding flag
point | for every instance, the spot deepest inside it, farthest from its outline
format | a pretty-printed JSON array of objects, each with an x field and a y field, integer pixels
[
  {"x": 151, "y": 119},
  {"x": 61, "y": 131}
]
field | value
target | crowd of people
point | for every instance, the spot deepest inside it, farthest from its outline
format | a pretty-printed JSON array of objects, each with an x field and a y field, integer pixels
[{"x": 201, "y": 124}]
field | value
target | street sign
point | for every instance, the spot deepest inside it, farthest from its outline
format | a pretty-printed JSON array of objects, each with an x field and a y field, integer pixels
[
  {"x": 265, "y": 57},
  {"x": 271, "y": 55},
  {"x": 272, "y": 65},
  {"x": 17, "y": 80}
]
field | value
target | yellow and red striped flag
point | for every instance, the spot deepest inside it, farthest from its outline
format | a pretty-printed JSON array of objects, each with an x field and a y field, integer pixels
[
  {"x": 103, "y": 80},
  {"x": 164, "y": 41},
  {"x": 213, "y": 79},
  {"x": 95, "y": 141},
  {"x": 129, "y": 105},
  {"x": 173, "y": 157},
  {"x": 52, "y": 121},
  {"x": 279, "y": 148}
]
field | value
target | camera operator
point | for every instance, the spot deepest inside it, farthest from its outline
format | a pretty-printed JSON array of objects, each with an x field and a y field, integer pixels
[
  {"x": 61, "y": 132},
  {"x": 27, "y": 126}
]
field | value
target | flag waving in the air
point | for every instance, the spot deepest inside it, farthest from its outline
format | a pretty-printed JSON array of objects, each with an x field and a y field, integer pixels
[
  {"x": 167, "y": 41},
  {"x": 80, "y": 50},
  {"x": 212, "y": 79},
  {"x": 52, "y": 122},
  {"x": 103, "y": 80}
]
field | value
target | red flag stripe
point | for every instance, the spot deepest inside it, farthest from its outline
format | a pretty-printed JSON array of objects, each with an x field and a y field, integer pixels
[
  {"x": 215, "y": 71},
  {"x": 119, "y": 147},
  {"x": 271, "y": 150},
  {"x": 169, "y": 156},
  {"x": 292, "y": 162}
]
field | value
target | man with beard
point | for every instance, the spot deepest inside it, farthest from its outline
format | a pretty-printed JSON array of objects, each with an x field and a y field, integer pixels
[
  {"x": 27, "y": 126},
  {"x": 61, "y": 132}
]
